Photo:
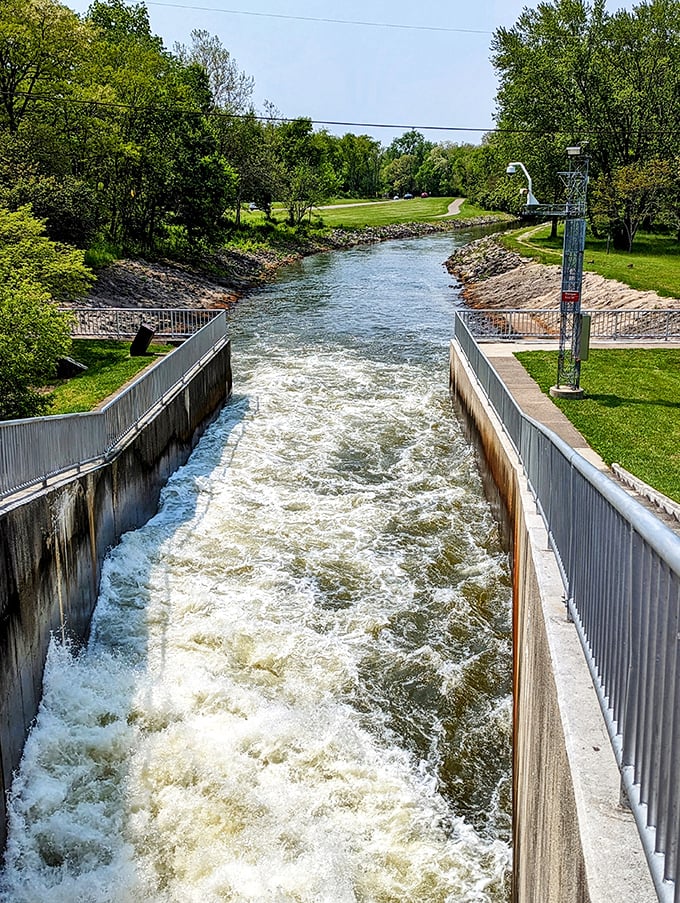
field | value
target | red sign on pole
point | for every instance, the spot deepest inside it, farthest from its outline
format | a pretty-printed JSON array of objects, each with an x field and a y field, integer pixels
[{"x": 570, "y": 297}]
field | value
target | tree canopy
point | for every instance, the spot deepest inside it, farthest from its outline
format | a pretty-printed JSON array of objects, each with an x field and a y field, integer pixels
[{"x": 571, "y": 73}]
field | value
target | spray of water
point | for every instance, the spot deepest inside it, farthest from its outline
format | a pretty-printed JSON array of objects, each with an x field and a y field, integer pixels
[{"x": 296, "y": 683}]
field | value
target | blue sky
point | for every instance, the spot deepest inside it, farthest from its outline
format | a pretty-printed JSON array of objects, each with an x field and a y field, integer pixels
[{"x": 358, "y": 73}]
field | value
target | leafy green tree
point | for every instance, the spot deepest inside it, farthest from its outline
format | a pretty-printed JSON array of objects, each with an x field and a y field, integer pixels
[
  {"x": 240, "y": 137},
  {"x": 306, "y": 177},
  {"x": 632, "y": 195},
  {"x": 359, "y": 173},
  {"x": 248, "y": 146},
  {"x": 41, "y": 44},
  {"x": 27, "y": 254},
  {"x": 570, "y": 72},
  {"x": 161, "y": 168},
  {"x": 402, "y": 161},
  {"x": 399, "y": 175},
  {"x": 35, "y": 273}
]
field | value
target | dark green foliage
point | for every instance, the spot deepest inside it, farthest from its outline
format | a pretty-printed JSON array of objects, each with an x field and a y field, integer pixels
[
  {"x": 571, "y": 73},
  {"x": 34, "y": 271}
]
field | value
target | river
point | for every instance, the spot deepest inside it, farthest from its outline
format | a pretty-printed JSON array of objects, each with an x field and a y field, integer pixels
[{"x": 297, "y": 682}]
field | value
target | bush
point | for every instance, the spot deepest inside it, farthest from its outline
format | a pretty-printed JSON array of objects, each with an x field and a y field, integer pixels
[
  {"x": 34, "y": 333},
  {"x": 35, "y": 272}
]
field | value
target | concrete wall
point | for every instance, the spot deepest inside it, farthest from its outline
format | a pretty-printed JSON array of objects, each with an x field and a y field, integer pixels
[
  {"x": 573, "y": 841},
  {"x": 52, "y": 547}
]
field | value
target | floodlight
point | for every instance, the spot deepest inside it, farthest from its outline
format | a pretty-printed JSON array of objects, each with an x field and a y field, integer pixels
[
  {"x": 574, "y": 151},
  {"x": 511, "y": 170}
]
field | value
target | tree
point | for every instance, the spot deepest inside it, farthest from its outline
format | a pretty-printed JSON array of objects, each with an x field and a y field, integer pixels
[
  {"x": 231, "y": 88},
  {"x": 247, "y": 144},
  {"x": 239, "y": 136},
  {"x": 402, "y": 160},
  {"x": 359, "y": 174},
  {"x": 569, "y": 71},
  {"x": 41, "y": 44},
  {"x": 632, "y": 195},
  {"x": 34, "y": 274},
  {"x": 306, "y": 177}
]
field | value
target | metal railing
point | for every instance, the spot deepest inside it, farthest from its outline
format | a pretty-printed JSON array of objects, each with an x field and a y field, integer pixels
[
  {"x": 33, "y": 451},
  {"x": 123, "y": 322},
  {"x": 512, "y": 325},
  {"x": 621, "y": 570}
]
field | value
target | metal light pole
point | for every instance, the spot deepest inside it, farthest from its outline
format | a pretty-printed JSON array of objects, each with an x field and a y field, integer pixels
[{"x": 574, "y": 212}]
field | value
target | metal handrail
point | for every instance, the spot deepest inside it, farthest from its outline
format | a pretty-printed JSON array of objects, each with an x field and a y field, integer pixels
[
  {"x": 621, "y": 571},
  {"x": 172, "y": 323},
  {"x": 510, "y": 324},
  {"x": 35, "y": 450}
]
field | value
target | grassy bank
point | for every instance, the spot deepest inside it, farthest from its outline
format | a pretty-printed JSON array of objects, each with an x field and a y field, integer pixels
[
  {"x": 630, "y": 412},
  {"x": 652, "y": 265},
  {"x": 356, "y": 214},
  {"x": 109, "y": 366}
]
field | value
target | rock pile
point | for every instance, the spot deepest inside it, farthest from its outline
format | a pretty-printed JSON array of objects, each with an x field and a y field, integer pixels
[
  {"x": 481, "y": 259},
  {"x": 494, "y": 277},
  {"x": 233, "y": 272}
]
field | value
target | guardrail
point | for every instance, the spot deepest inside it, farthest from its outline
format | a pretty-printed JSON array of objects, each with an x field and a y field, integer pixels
[
  {"x": 621, "y": 571},
  {"x": 123, "y": 322},
  {"x": 36, "y": 450},
  {"x": 511, "y": 324}
]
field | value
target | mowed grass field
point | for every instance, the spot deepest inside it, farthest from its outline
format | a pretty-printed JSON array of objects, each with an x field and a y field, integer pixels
[
  {"x": 109, "y": 366},
  {"x": 631, "y": 411},
  {"x": 652, "y": 265},
  {"x": 356, "y": 214}
]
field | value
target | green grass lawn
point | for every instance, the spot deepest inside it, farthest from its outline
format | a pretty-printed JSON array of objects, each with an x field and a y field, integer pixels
[
  {"x": 653, "y": 264},
  {"x": 357, "y": 213},
  {"x": 109, "y": 367},
  {"x": 631, "y": 411},
  {"x": 414, "y": 210}
]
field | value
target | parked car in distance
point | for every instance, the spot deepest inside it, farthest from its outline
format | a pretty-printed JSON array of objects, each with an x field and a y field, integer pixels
[
  {"x": 252, "y": 206},
  {"x": 424, "y": 194},
  {"x": 396, "y": 198},
  {"x": 408, "y": 196}
]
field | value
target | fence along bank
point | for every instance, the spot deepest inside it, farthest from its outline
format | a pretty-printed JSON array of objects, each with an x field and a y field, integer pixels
[
  {"x": 69, "y": 488},
  {"x": 610, "y": 651}
]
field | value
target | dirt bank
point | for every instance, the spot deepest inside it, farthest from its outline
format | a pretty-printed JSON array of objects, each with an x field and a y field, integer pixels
[
  {"x": 219, "y": 281},
  {"x": 496, "y": 278}
]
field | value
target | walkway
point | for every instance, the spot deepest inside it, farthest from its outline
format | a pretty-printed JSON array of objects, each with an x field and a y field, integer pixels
[
  {"x": 454, "y": 208},
  {"x": 532, "y": 400}
]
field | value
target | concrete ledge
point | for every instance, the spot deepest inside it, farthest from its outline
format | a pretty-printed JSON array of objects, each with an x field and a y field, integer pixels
[
  {"x": 53, "y": 544},
  {"x": 573, "y": 841}
]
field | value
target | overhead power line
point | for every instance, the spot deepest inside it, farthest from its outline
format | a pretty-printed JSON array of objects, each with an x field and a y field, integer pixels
[
  {"x": 244, "y": 12},
  {"x": 60, "y": 99}
]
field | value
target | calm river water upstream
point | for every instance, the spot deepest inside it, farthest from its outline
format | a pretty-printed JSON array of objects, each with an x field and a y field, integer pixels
[{"x": 297, "y": 684}]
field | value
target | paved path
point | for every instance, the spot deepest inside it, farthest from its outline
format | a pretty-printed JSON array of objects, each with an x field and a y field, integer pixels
[
  {"x": 531, "y": 399},
  {"x": 454, "y": 208},
  {"x": 359, "y": 204}
]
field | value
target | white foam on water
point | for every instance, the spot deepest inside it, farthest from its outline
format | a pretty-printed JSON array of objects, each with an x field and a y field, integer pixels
[{"x": 208, "y": 745}]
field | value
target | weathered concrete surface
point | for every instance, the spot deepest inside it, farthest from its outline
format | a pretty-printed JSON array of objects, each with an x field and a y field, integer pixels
[
  {"x": 52, "y": 547},
  {"x": 573, "y": 842}
]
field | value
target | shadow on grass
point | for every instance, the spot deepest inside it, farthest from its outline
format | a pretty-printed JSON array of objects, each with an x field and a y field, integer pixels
[{"x": 615, "y": 401}]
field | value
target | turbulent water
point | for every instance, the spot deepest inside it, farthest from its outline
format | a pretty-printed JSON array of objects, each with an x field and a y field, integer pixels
[{"x": 296, "y": 687}]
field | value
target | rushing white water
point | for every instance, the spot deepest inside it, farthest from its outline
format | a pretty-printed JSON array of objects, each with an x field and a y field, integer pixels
[{"x": 296, "y": 684}]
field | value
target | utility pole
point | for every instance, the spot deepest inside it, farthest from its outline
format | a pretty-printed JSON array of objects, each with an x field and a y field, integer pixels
[{"x": 573, "y": 211}]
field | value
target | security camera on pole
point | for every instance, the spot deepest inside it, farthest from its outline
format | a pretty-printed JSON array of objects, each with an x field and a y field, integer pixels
[{"x": 574, "y": 327}]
